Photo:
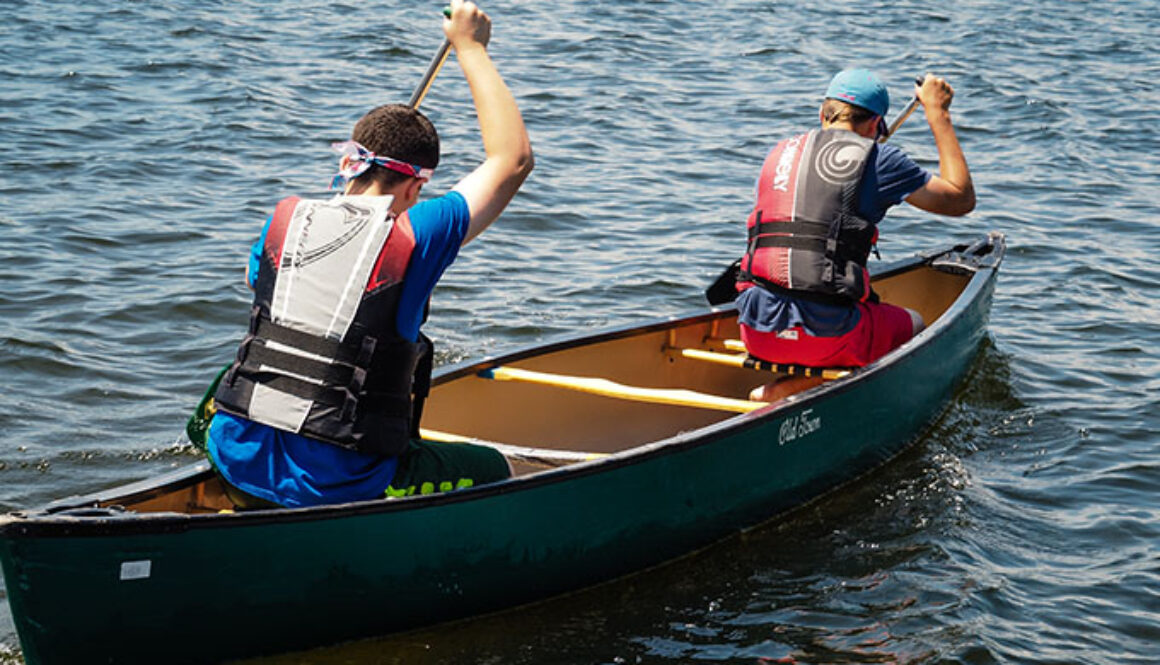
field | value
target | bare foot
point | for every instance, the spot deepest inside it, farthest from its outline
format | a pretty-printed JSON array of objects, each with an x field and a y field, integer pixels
[{"x": 783, "y": 387}]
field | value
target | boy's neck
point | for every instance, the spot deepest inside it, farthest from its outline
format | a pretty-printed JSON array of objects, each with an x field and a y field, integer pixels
[{"x": 398, "y": 206}]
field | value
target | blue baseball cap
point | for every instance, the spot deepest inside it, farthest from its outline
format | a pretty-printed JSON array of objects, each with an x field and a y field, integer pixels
[{"x": 860, "y": 87}]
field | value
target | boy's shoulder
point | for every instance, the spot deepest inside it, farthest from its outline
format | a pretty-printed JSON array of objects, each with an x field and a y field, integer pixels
[
  {"x": 452, "y": 201},
  {"x": 445, "y": 217}
]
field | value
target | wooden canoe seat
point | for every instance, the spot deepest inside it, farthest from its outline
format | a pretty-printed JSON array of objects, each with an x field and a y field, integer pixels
[
  {"x": 727, "y": 344},
  {"x": 749, "y": 362},
  {"x": 535, "y": 456},
  {"x": 606, "y": 388}
]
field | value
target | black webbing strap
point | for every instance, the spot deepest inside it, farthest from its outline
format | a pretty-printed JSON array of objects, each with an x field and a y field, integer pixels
[
  {"x": 811, "y": 296},
  {"x": 421, "y": 387},
  {"x": 261, "y": 356},
  {"x": 335, "y": 383},
  {"x": 751, "y": 245},
  {"x": 231, "y": 376},
  {"x": 845, "y": 212},
  {"x": 831, "y": 253},
  {"x": 358, "y": 378},
  {"x": 792, "y": 228},
  {"x": 808, "y": 243},
  {"x": 809, "y": 236},
  {"x": 307, "y": 342},
  {"x": 265, "y": 329},
  {"x": 290, "y": 385}
]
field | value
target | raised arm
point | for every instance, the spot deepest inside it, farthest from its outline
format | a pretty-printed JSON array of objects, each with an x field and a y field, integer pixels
[
  {"x": 951, "y": 192},
  {"x": 490, "y": 187}
]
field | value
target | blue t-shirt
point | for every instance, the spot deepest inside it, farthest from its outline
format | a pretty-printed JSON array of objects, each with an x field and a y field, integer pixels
[
  {"x": 294, "y": 470},
  {"x": 889, "y": 178}
]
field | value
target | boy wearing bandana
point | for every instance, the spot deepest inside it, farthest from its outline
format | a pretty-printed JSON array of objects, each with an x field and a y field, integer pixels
[{"x": 318, "y": 407}]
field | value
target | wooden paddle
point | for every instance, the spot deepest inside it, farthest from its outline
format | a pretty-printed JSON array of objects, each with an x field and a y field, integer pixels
[
  {"x": 906, "y": 111},
  {"x": 432, "y": 69},
  {"x": 722, "y": 289}
]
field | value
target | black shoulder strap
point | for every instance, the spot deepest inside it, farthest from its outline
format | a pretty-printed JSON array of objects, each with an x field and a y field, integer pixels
[{"x": 422, "y": 384}]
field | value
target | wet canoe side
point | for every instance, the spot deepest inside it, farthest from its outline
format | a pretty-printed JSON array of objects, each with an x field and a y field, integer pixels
[{"x": 139, "y": 585}]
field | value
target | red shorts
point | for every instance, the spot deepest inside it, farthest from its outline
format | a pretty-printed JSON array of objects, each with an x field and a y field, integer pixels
[{"x": 881, "y": 329}]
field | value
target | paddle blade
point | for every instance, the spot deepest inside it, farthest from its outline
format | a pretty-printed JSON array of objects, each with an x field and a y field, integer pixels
[
  {"x": 197, "y": 427},
  {"x": 724, "y": 289}
]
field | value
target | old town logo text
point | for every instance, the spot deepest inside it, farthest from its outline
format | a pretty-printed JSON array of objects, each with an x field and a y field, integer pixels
[{"x": 798, "y": 426}]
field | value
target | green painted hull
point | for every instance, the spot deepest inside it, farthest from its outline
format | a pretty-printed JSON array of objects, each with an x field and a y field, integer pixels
[{"x": 234, "y": 585}]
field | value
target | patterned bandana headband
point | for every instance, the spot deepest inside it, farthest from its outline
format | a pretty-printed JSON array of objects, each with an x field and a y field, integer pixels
[{"x": 361, "y": 159}]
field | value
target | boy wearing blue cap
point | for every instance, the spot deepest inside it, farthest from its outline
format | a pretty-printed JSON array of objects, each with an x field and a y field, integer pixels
[{"x": 805, "y": 295}]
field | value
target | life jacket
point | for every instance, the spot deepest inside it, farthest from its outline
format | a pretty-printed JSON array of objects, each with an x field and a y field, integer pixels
[
  {"x": 323, "y": 356},
  {"x": 805, "y": 235}
]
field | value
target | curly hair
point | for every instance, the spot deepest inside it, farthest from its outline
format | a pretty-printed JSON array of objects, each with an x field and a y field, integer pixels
[{"x": 399, "y": 132}]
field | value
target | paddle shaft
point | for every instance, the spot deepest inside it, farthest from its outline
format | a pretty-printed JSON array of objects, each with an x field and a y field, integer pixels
[
  {"x": 432, "y": 69},
  {"x": 429, "y": 77},
  {"x": 905, "y": 113}
]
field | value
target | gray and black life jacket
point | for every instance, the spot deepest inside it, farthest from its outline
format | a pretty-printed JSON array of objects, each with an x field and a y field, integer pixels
[
  {"x": 323, "y": 357},
  {"x": 805, "y": 235}
]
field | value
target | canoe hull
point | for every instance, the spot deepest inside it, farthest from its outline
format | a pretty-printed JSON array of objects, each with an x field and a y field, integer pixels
[{"x": 180, "y": 588}]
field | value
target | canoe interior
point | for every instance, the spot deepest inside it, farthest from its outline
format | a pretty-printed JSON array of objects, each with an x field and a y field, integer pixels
[
  {"x": 556, "y": 418},
  {"x": 550, "y": 418},
  {"x": 206, "y": 495}
]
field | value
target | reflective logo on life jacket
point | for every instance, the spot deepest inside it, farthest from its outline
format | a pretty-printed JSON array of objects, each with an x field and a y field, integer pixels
[
  {"x": 785, "y": 164},
  {"x": 838, "y": 162}
]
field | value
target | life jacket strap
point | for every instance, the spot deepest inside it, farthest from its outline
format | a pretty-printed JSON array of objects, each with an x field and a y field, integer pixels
[
  {"x": 793, "y": 228},
  {"x": 421, "y": 387},
  {"x": 303, "y": 341},
  {"x": 332, "y": 397},
  {"x": 260, "y": 356},
  {"x": 746, "y": 277},
  {"x": 822, "y": 245}
]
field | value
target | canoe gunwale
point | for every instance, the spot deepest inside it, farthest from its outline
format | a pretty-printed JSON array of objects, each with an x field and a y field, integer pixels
[
  {"x": 54, "y": 520},
  {"x": 181, "y": 478}
]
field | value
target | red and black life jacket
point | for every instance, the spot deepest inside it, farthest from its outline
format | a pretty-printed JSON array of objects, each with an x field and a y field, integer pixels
[
  {"x": 323, "y": 356},
  {"x": 805, "y": 235}
]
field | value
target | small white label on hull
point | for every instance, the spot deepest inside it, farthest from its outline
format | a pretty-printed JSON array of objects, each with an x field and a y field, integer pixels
[{"x": 136, "y": 570}]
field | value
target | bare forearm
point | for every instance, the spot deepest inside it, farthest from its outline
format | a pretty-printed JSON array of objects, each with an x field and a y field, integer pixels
[
  {"x": 491, "y": 186},
  {"x": 951, "y": 192},
  {"x": 500, "y": 123},
  {"x": 952, "y": 164}
]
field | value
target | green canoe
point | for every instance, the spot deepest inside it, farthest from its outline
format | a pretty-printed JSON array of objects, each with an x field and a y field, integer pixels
[{"x": 631, "y": 447}]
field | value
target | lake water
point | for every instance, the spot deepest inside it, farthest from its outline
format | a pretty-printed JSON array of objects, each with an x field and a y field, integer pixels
[{"x": 142, "y": 145}]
